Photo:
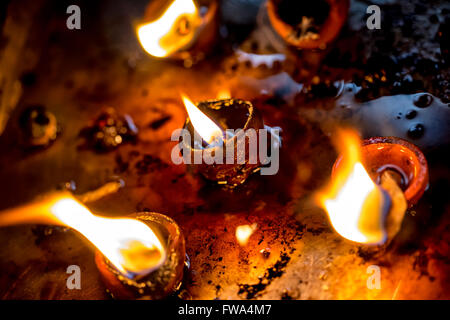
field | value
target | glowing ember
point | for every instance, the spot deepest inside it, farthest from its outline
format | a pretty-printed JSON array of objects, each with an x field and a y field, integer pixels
[
  {"x": 173, "y": 30},
  {"x": 207, "y": 129},
  {"x": 244, "y": 232},
  {"x": 354, "y": 203}
]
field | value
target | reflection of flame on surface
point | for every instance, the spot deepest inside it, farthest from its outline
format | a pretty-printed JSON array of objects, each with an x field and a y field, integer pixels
[
  {"x": 129, "y": 244},
  {"x": 207, "y": 129},
  {"x": 173, "y": 30},
  {"x": 244, "y": 232},
  {"x": 354, "y": 203}
]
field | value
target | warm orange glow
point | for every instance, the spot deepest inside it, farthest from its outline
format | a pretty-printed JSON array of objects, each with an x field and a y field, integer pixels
[
  {"x": 207, "y": 129},
  {"x": 244, "y": 232},
  {"x": 224, "y": 94},
  {"x": 354, "y": 203},
  {"x": 172, "y": 31}
]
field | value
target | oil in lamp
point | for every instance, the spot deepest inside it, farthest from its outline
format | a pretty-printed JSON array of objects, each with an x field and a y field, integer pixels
[
  {"x": 141, "y": 257},
  {"x": 179, "y": 29},
  {"x": 373, "y": 184},
  {"x": 213, "y": 138},
  {"x": 320, "y": 22}
]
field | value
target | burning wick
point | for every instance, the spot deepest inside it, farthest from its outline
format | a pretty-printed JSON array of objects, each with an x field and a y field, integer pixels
[
  {"x": 361, "y": 210},
  {"x": 244, "y": 232},
  {"x": 130, "y": 245},
  {"x": 162, "y": 37},
  {"x": 356, "y": 206},
  {"x": 161, "y": 282},
  {"x": 134, "y": 250},
  {"x": 227, "y": 134},
  {"x": 207, "y": 129},
  {"x": 180, "y": 31}
]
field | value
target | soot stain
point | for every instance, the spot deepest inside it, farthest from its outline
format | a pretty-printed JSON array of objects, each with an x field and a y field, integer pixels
[
  {"x": 250, "y": 291},
  {"x": 149, "y": 164}
]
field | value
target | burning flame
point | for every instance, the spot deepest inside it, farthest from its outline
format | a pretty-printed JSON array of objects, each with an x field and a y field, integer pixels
[
  {"x": 207, "y": 129},
  {"x": 173, "y": 30},
  {"x": 244, "y": 232},
  {"x": 129, "y": 244},
  {"x": 354, "y": 203},
  {"x": 223, "y": 94}
]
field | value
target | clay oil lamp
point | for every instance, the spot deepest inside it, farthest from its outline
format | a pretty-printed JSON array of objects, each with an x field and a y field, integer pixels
[
  {"x": 372, "y": 185},
  {"x": 141, "y": 257},
  {"x": 403, "y": 160},
  {"x": 208, "y": 127},
  {"x": 154, "y": 275},
  {"x": 307, "y": 25},
  {"x": 179, "y": 29}
]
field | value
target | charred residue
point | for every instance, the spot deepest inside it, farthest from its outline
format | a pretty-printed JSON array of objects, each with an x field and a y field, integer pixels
[{"x": 251, "y": 291}]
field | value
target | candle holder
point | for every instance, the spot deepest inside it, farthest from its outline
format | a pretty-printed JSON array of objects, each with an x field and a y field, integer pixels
[
  {"x": 159, "y": 283},
  {"x": 321, "y": 21},
  {"x": 192, "y": 34},
  {"x": 230, "y": 114}
]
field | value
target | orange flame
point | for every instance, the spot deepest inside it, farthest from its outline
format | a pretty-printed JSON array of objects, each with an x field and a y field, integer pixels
[
  {"x": 129, "y": 244},
  {"x": 244, "y": 232},
  {"x": 207, "y": 129},
  {"x": 354, "y": 203},
  {"x": 172, "y": 31},
  {"x": 223, "y": 94}
]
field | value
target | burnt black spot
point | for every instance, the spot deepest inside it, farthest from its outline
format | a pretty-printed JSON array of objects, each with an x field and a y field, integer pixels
[
  {"x": 252, "y": 291},
  {"x": 149, "y": 164},
  {"x": 28, "y": 79},
  {"x": 366, "y": 254},
  {"x": 122, "y": 165},
  {"x": 155, "y": 125},
  {"x": 315, "y": 231},
  {"x": 286, "y": 296}
]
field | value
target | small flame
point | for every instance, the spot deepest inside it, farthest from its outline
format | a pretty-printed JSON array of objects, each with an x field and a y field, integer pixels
[
  {"x": 354, "y": 203},
  {"x": 224, "y": 94},
  {"x": 244, "y": 232},
  {"x": 173, "y": 30},
  {"x": 207, "y": 129}
]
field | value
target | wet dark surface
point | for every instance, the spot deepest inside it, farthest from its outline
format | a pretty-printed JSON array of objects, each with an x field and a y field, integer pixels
[{"x": 393, "y": 81}]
